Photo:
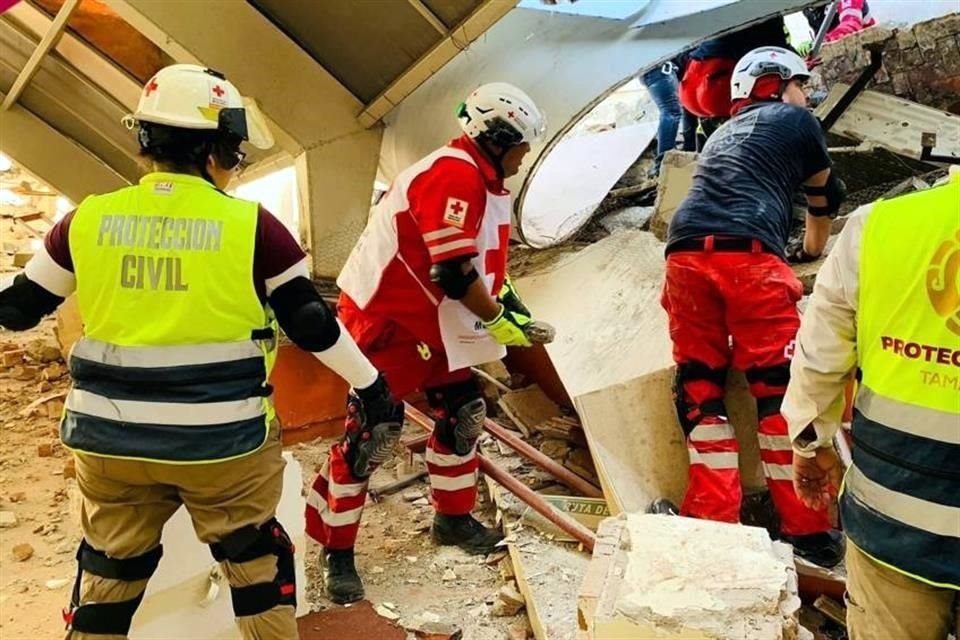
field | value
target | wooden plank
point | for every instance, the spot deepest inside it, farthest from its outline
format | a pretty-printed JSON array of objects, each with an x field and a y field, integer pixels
[{"x": 548, "y": 573}]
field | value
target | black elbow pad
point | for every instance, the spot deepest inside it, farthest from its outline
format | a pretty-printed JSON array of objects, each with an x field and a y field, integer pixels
[
  {"x": 24, "y": 303},
  {"x": 304, "y": 316},
  {"x": 449, "y": 276},
  {"x": 835, "y": 191}
]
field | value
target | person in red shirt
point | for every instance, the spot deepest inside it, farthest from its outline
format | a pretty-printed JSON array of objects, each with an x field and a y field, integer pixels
[{"x": 426, "y": 296}]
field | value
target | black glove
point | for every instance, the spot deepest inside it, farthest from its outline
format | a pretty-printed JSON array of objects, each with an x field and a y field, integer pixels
[
  {"x": 374, "y": 423},
  {"x": 796, "y": 254}
]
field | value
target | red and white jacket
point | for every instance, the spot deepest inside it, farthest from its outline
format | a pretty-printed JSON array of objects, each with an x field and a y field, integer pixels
[{"x": 451, "y": 204}]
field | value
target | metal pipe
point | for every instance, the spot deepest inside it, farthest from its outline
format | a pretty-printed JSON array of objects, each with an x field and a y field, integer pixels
[
  {"x": 546, "y": 463},
  {"x": 824, "y": 28},
  {"x": 517, "y": 488}
]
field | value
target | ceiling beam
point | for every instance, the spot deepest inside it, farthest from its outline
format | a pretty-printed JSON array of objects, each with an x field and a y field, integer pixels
[
  {"x": 51, "y": 156},
  {"x": 430, "y": 17},
  {"x": 48, "y": 42},
  {"x": 70, "y": 102},
  {"x": 455, "y": 41},
  {"x": 306, "y": 103}
]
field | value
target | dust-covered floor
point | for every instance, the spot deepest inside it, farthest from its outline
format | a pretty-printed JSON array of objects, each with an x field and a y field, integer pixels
[{"x": 406, "y": 575}]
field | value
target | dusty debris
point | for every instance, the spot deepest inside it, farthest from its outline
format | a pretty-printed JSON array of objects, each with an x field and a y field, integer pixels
[
  {"x": 386, "y": 610},
  {"x": 556, "y": 449},
  {"x": 449, "y": 575},
  {"x": 8, "y": 519},
  {"x": 430, "y": 630},
  {"x": 57, "y": 583},
  {"x": 18, "y": 496},
  {"x": 12, "y": 357},
  {"x": 511, "y": 597},
  {"x": 528, "y": 408},
  {"x": 22, "y": 552},
  {"x": 676, "y": 173},
  {"x": 519, "y": 631},
  {"x": 652, "y": 574},
  {"x": 70, "y": 468}
]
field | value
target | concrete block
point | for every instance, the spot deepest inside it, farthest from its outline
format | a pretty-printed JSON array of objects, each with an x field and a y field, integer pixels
[
  {"x": 927, "y": 33},
  {"x": 661, "y": 576},
  {"x": 676, "y": 176}
]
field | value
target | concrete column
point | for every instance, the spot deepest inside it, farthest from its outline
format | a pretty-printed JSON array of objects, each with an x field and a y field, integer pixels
[{"x": 336, "y": 184}]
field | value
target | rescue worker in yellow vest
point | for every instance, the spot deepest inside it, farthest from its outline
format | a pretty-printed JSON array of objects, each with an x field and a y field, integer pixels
[
  {"x": 181, "y": 288},
  {"x": 887, "y": 305}
]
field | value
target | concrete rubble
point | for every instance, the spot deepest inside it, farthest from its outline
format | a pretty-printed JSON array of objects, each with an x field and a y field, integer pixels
[{"x": 661, "y": 576}]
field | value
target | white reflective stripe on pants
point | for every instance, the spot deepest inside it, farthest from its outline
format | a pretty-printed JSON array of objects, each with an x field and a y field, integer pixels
[
  {"x": 165, "y": 413},
  {"x": 716, "y": 461},
  {"x": 775, "y": 443},
  {"x": 778, "y": 471},
  {"x": 712, "y": 432},
  {"x": 444, "y": 483},
  {"x": 330, "y": 518}
]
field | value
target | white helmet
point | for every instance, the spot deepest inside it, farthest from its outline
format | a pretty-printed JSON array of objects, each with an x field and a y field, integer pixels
[
  {"x": 761, "y": 62},
  {"x": 502, "y": 114},
  {"x": 188, "y": 96}
]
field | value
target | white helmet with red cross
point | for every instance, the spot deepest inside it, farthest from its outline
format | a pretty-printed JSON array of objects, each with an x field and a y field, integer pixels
[
  {"x": 761, "y": 62},
  {"x": 502, "y": 114},
  {"x": 189, "y": 96}
]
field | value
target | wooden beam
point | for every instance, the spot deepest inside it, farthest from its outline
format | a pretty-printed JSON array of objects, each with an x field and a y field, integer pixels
[
  {"x": 455, "y": 40},
  {"x": 429, "y": 16},
  {"x": 49, "y": 41}
]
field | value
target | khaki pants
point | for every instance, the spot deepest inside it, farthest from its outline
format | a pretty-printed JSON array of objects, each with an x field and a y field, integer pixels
[
  {"x": 126, "y": 504},
  {"x": 883, "y": 604}
]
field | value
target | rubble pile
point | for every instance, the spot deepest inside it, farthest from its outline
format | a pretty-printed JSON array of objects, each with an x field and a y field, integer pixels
[{"x": 920, "y": 63}]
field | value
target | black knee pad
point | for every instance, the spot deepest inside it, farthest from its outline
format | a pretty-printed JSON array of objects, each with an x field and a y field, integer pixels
[
  {"x": 690, "y": 413},
  {"x": 250, "y": 543},
  {"x": 108, "y": 618},
  {"x": 459, "y": 412}
]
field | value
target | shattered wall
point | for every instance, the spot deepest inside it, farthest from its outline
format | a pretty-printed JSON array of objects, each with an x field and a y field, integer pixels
[{"x": 920, "y": 63}]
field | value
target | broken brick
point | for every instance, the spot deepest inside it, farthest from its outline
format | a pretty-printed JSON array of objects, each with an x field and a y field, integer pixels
[
  {"x": 13, "y": 357},
  {"x": 8, "y": 519},
  {"x": 22, "y": 552},
  {"x": 54, "y": 372},
  {"x": 437, "y": 631},
  {"x": 45, "y": 449},
  {"x": 519, "y": 631},
  {"x": 70, "y": 468},
  {"x": 19, "y": 496}
]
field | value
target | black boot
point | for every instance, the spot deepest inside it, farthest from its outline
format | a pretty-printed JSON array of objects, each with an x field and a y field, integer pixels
[
  {"x": 824, "y": 549},
  {"x": 664, "y": 507},
  {"x": 465, "y": 532},
  {"x": 340, "y": 576}
]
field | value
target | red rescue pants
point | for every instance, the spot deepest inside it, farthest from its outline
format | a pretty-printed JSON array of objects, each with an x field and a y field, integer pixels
[
  {"x": 335, "y": 502},
  {"x": 734, "y": 309}
]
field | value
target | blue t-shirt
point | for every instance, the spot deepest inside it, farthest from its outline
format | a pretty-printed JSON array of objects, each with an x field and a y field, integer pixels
[{"x": 747, "y": 175}]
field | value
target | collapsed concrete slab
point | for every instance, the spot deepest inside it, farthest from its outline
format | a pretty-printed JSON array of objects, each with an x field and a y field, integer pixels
[
  {"x": 613, "y": 355},
  {"x": 655, "y": 576},
  {"x": 676, "y": 174}
]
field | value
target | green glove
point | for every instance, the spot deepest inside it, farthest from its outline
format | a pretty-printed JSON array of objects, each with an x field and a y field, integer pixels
[
  {"x": 804, "y": 48},
  {"x": 510, "y": 299},
  {"x": 508, "y": 328}
]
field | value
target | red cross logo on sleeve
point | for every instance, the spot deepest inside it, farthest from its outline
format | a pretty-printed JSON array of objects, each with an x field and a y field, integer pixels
[
  {"x": 150, "y": 88},
  {"x": 219, "y": 91}
]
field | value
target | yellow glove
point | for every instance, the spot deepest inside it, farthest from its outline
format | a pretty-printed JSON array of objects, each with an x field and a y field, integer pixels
[
  {"x": 508, "y": 328},
  {"x": 510, "y": 299}
]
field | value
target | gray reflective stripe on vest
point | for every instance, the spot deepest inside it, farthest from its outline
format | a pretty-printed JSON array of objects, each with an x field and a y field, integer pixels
[
  {"x": 908, "y": 418},
  {"x": 165, "y": 356},
  {"x": 922, "y": 514},
  {"x": 163, "y": 413}
]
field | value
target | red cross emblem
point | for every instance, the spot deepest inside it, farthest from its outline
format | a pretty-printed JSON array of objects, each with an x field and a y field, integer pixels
[
  {"x": 217, "y": 89},
  {"x": 150, "y": 88},
  {"x": 510, "y": 114},
  {"x": 457, "y": 207}
]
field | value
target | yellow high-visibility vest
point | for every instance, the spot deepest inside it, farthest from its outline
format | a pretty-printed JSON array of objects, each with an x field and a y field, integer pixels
[
  {"x": 178, "y": 347},
  {"x": 900, "y": 502}
]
